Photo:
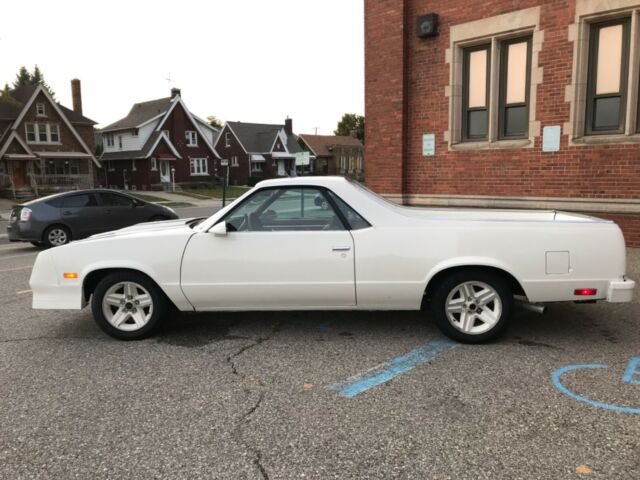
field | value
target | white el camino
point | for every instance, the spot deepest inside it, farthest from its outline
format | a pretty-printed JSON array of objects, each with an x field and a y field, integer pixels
[{"x": 326, "y": 243}]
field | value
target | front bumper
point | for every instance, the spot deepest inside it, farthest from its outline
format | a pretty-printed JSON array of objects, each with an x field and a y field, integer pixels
[
  {"x": 50, "y": 291},
  {"x": 620, "y": 291}
]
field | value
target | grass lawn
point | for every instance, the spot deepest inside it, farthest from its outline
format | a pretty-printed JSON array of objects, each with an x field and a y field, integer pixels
[{"x": 214, "y": 192}]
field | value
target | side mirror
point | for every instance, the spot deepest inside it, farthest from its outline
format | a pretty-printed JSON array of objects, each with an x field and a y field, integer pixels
[{"x": 219, "y": 229}]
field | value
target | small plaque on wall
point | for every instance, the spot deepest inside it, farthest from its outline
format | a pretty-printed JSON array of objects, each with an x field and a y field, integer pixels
[
  {"x": 429, "y": 144},
  {"x": 551, "y": 138}
]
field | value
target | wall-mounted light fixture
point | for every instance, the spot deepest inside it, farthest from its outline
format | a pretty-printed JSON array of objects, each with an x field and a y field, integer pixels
[{"x": 427, "y": 25}]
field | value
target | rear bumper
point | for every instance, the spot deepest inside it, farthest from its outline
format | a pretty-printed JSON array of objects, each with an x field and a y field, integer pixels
[
  {"x": 620, "y": 291},
  {"x": 19, "y": 232}
]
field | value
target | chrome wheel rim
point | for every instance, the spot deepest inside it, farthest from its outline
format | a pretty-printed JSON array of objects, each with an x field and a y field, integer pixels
[
  {"x": 57, "y": 237},
  {"x": 127, "y": 306},
  {"x": 473, "y": 307}
]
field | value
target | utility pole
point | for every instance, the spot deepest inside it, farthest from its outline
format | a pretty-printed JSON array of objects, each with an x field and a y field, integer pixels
[{"x": 224, "y": 163}]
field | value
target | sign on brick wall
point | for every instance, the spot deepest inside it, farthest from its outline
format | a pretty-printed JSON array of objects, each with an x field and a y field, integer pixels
[
  {"x": 429, "y": 144},
  {"x": 551, "y": 139}
]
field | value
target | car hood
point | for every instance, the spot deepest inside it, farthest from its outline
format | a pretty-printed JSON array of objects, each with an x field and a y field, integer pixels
[{"x": 161, "y": 226}]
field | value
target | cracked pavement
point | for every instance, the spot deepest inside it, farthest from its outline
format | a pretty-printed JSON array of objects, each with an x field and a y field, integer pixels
[{"x": 244, "y": 395}]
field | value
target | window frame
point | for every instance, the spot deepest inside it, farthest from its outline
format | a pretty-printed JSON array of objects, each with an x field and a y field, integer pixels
[
  {"x": 109, "y": 139},
  {"x": 234, "y": 161},
  {"x": 40, "y": 109},
  {"x": 502, "y": 86},
  {"x": 50, "y": 127},
  {"x": 198, "y": 166},
  {"x": 227, "y": 139},
  {"x": 592, "y": 72},
  {"x": 154, "y": 164},
  {"x": 191, "y": 137},
  {"x": 466, "y": 55}
]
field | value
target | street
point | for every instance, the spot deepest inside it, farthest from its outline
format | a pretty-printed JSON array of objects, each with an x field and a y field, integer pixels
[{"x": 316, "y": 395}]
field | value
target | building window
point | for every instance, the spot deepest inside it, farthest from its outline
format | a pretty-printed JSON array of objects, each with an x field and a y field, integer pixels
[
  {"x": 134, "y": 132},
  {"x": 515, "y": 72},
  {"x": 234, "y": 161},
  {"x": 120, "y": 142},
  {"x": 133, "y": 166},
  {"x": 199, "y": 166},
  {"x": 42, "y": 132},
  {"x": 192, "y": 138},
  {"x": 475, "y": 87},
  {"x": 54, "y": 132},
  {"x": 154, "y": 163},
  {"x": 227, "y": 139},
  {"x": 31, "y": 132},
  {"x": 607, "y": 77},
  {"x": 256, "y": 166},
  {"x": 40, "y": 111},
  {"x": 110, "y": 166},
  {"x": 109, "y": 139}
]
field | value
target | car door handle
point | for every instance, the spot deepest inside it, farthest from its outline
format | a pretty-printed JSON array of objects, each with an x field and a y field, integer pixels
[{"x": 341, "y": 248}]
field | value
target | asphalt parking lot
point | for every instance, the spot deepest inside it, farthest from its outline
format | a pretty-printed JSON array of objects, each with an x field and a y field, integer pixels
[{"x": 316, "y": 395}]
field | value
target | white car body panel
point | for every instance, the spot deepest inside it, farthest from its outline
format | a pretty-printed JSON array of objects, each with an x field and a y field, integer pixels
[{"x": 389, "y": 265}]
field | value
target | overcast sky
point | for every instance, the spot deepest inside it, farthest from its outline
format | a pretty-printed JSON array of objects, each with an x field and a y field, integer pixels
[{"x": 248, "y": 60}]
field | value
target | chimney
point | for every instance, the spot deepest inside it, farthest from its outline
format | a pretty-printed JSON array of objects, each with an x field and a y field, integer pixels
[
  {"x": 175, "y": 92},
  {"x": 76, "y": 96},
  {"x": 288, "y": 126}
]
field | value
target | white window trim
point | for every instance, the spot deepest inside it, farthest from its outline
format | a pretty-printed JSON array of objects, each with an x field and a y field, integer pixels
[
  {"x": 191, "y": 137},
  {"x": 494, "y": 30},
  {"x": 154, "y": 164},
  {"x": 227, "y": 139},
  {"x": 588, "y": 12},
  {"x": 256, "y": 164},
  {"x": 109, "y": 140},
  {"x": 199, "y": 162},
  {"x": 234, "y": 161},
  {"x": 44, "y": 111},
  {"x": 36, "y": 130}
]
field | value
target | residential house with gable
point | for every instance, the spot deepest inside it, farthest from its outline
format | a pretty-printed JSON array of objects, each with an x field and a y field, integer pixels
[
  {"x": 44, "y": 146},
  {"x": 258, "y": 151},
  {"x": 335, "y": 154},
  {"x": 159, "y": 142}
]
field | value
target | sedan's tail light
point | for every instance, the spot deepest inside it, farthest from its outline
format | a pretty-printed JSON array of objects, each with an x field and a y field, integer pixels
[
  {"x": 585, "y": 292},
  {"x": 25, "y": 214}
]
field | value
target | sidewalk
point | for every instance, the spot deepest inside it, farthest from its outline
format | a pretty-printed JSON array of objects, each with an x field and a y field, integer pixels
[{"x": 176, "y": 197}]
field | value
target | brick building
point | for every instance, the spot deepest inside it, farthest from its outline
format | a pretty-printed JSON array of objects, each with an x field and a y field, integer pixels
[
  {"x": 528, "y": 104},
  {"x": 335, "y": 154}
]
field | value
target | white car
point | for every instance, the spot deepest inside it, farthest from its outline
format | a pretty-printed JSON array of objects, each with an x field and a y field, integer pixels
[{"x": 326, "y": 243}]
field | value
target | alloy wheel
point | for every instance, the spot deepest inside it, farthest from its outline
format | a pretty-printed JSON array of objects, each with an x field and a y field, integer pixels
[
  {"x": 57, "y": 237},
  {"x": 473, "y": 307},
  {"x": 127, "y": 306}
]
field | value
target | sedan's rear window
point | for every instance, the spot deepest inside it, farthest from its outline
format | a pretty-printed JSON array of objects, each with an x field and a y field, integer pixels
[{"x": 56, "y": 202}]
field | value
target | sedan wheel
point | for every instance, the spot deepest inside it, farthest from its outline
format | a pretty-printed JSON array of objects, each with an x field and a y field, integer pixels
[
  {"x": 128, "y": 305},
  {"x": 472, "y": 306},
  {"x": 56, "y": 236}
]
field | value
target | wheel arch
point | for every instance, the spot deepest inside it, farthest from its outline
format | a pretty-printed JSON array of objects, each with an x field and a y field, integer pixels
[
  {"x": 91, "y": 280},
  {"x": 441, "y": 273}
]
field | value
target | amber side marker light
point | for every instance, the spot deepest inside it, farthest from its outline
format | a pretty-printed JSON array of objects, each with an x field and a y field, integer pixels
[
  {"x": 70, "y": 275},
  {"x": 585, "y": 292}
]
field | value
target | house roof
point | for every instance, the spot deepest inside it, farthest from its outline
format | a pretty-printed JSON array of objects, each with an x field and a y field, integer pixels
[
  {"x": 260, "y": 137},
  {"x": 22, "y": 95},
  {"x": 321, "y": 145},
  {"x": 141, "y": 113},
  {"x": 147, "y": 149}
]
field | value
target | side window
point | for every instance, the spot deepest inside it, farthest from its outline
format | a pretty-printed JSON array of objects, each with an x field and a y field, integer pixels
[
  {"x": 285, "y": 209},
  {"x": 115, "y": 200},
  {"x": 356, "y": 222},
  {"x": 80, "y": 201}
]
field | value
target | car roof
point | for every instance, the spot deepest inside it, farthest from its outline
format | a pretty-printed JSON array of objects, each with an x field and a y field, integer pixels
[
  {"x": 327, "y": 181},
  {"x": 72, "y": 192}
]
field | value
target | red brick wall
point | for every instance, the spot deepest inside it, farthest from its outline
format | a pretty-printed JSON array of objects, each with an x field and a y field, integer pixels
[
  {"x": 237, "y": 175},
  {"x": 405, "y": 82}
]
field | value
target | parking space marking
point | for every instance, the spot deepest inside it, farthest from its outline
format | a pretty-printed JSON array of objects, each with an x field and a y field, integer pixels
[
  {"x": 557, "y": 382},
  {"x": 632, "y": 373},
  {"x": 388, "y": 370},
  {"x": 22, "y": 292}
]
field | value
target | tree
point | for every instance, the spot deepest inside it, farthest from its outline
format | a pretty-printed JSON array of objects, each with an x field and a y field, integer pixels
[
  {"x": 5, "y": 96},
  {"x": 351, "y": 122},
  {"x": 214, "y": 121},
  {"x": 25, "y": 78}
]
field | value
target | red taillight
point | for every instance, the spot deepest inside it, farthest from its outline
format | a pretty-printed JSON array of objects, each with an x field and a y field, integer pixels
[{"x": 585, "y": 292}]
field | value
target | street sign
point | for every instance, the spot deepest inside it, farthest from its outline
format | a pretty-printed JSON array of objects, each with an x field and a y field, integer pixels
[
  {"x": 224, "y": 162},
  {"x": 302, "y": 158}
]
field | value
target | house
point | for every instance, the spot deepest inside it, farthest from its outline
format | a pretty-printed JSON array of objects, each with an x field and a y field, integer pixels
[
  {"x": 157, "y": 143},
  {"x": 44, "y": 146},
  {"x": 528, "y": 104},
  {"x": 335, "y": 154},
  {"x": 258, "y": 151}
]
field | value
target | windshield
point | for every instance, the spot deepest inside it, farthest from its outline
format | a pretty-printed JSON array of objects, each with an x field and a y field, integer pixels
[{"x": 373, "y": 195}]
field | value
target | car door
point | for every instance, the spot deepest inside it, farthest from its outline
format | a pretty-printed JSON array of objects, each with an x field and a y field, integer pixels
[
  {"x": 120, "y": 211},
  {"x": 82, "y": 214},
  {"x": 282, "y": 250}
]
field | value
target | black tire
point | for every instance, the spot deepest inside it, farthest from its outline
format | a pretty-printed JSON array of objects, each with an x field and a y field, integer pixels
[
  {"x": 158, "y": 218},
  {"x": 451, "y": 323},
  {"x": 50, "y": 233},
  {"x": 37, "y": 244},
  {"x": 160, "y": 306}
]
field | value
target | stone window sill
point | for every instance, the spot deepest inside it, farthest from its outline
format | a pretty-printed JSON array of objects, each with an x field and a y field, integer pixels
[
  {"x": 497, "y": 145},
  {"x": 607, "y": 139}
]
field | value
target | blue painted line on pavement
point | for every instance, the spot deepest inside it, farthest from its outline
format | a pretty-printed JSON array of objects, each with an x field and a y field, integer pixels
[
  {"x": 388, "y": 370},
  {"x": 632, "y": 373},
  {"x": 557, "y": 382}
]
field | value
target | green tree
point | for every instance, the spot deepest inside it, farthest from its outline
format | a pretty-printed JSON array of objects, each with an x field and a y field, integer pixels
[
  {"x": 26, "y": 78},
  {"x": 5, "y": 96},
  {"x": 214, "y": 121},
  {"x": 351, "y": 122}
]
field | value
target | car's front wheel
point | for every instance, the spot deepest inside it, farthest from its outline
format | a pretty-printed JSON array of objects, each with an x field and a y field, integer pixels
[
  {"x": 128, "y": 305},
  {"x": 472, "y": 306}
]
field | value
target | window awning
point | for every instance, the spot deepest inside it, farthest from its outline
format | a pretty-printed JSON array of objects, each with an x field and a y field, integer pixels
[
  {"x": 281, "y": 155},
  {"x": 257, "y": 158}
]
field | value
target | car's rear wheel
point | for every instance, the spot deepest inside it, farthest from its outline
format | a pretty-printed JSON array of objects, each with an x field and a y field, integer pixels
[
  {"x": 128, "y": 305},
  {"x": 56, "y": 236},
  {"x": 37, "y": 244},
  {"x": 472, "y": 306}
]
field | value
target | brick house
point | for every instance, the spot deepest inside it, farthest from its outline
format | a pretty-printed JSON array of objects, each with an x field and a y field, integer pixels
[
  {"x": 44, "y": 146},
  {"x": 528, "y": 104},
  {"x": 156, "y": 138},
  {"x": 257, "y": 151},
  {"x": 335, "y": 154}
]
